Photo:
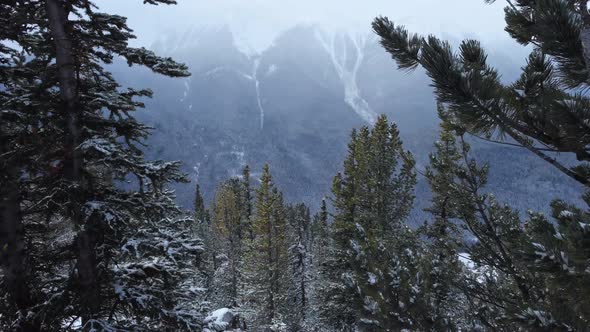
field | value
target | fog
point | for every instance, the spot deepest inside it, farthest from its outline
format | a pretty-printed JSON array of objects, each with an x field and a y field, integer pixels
[{"x": 259, "y": 21}]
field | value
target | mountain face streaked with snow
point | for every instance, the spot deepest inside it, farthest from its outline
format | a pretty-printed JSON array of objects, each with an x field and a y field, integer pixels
[{"x": 293, "y": 105}]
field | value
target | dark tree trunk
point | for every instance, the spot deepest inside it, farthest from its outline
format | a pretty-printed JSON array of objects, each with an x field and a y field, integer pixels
[
  {"x": 57, "y": 14},
  {"x": 13, "y": 257}
]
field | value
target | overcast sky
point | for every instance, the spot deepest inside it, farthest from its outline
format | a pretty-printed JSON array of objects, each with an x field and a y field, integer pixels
[{"x": 259, "y": 21}]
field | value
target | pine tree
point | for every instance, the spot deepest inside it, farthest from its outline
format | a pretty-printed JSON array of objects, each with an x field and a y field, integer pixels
[
  {"x": 558, "y": 252},
  {"x": 442, "y": 267},
  {"x": 374, "y": 249},
  {"x": 542, "y": 110},
  {"x": 266, "y": 263},
  {"x": 503, "y": 288}
]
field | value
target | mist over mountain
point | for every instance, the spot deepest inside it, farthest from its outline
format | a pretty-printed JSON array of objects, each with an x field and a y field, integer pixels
[{"x": 294, "y": 104}]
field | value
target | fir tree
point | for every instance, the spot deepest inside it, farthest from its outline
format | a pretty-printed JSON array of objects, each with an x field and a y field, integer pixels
[{"x": 68, "y": 189}]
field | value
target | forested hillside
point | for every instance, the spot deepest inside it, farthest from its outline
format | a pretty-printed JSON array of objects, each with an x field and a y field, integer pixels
[
  {"x": 293, "y": 106},
  {"x": 323, "y": 185}
]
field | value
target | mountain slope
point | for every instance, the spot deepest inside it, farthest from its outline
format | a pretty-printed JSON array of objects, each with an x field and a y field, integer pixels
[{"x": 293, "y": 105}]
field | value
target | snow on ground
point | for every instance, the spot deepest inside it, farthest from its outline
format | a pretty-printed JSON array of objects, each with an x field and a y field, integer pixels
[{"x": 218, "y": 320}]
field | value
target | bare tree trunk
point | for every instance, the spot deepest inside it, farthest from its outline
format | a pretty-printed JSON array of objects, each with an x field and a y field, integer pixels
[
  {"x": 13, "y": 257},
  {"x": 57, "y": 14},
  {"x": 585, "y": 33}
]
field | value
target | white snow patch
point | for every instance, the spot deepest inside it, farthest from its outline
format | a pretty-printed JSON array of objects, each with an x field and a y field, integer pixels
[
  {"x": 244, "y": 46},
  {"x": 372, "y": 279},
  {"x": 216, "y": 70},
  {"x": 187, "y": 88},
  {"x": 196, "y": 169},
  {"x": 271, "y": 69},
  {"x": 352, "y": 94},
  {"x": 566, "y": 214},
  {"x": 219, "y": 319},
  {"x": 257, "y": 85}
]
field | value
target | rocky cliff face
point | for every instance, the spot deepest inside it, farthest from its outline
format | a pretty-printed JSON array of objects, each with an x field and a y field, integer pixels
[{"x": 293, "y": 105}]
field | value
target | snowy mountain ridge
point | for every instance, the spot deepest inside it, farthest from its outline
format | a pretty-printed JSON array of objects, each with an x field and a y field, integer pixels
[{"x": 293, "y": 105}]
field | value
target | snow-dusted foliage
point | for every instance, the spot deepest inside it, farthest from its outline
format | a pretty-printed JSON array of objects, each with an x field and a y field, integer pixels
[
  {"x": 156, "y": 270},
  {"x": 91, "y": 237},
  {"x": 223, "y": 319},
  {"x": 377, "y": 283}
]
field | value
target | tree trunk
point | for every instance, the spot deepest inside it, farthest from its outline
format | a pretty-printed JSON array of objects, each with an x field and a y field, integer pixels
[
  {"x": 68, "y": 85},
  {"x": 57, "y": 14},
  {"x": 13, "y": 257}
]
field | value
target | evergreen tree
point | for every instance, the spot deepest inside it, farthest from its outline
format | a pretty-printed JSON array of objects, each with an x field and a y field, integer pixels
[
  {"x": 57, "y": 91},
  {"x": 442, "y": 267},
  {"x": 372, "y": 197},
  {"x": 298, "y": 239},
  {"x": 201, "y": 213},
  {"x": 328, "y": 292},
  {"x": 267, "y": 255},
  {"x": 247, "y": 204},
  {"x": 502, "y": 289},
  {"x": 228, "y": 251},
  {"x": 558, "y": 252},
  {"x": 202, "y": 229},
  {"x": 542, "y": 111}
]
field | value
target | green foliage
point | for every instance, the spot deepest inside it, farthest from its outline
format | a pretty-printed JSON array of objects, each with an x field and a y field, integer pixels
[
  {"x": 539, "y": 111},
  {"x": 530, "y": 277},
  {"x": 266, "y": 261},
  {"x": 373, "y": 248},
  {"x": 72, "y": 140},
  {"x": 558, "y": 251}
]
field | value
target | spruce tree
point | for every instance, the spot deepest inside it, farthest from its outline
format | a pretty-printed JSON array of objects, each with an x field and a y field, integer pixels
[
  {"x": 58, "y": 90},
  {"x": 299, "y": 269},
  {"x": 329, "y": 293}
]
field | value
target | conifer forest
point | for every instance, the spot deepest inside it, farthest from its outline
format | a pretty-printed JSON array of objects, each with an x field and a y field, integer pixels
[{"x": 193, "y": 185}]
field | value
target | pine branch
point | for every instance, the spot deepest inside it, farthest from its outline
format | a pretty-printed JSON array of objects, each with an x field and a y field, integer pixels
[{"x": 510, "y": 144}]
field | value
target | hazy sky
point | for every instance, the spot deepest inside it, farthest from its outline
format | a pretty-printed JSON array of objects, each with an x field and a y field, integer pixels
[{"x": 259, "y": 21}]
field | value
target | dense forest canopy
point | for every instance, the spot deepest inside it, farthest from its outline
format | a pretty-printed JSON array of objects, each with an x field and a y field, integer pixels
[{"x": 91, "y": 237}]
